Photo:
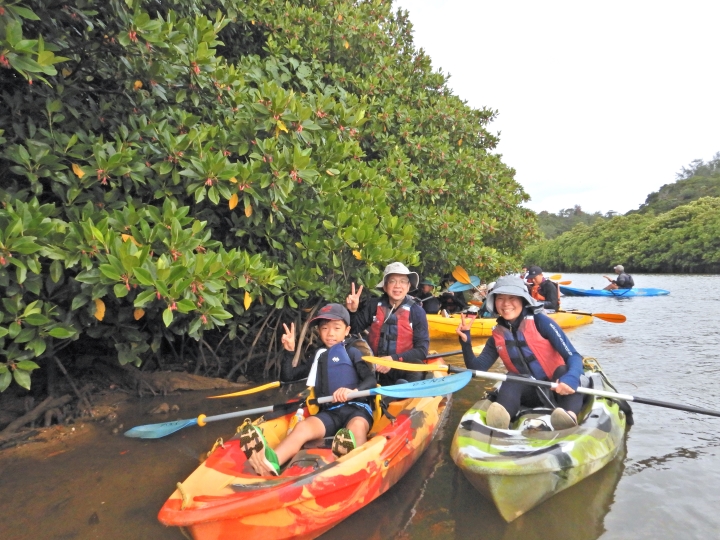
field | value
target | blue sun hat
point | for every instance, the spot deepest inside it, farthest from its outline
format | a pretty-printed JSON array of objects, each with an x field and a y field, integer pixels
[{"x": 512, "y": 285}]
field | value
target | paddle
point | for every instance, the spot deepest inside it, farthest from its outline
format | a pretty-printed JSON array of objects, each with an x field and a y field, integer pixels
[
  {"x": 607, "y": 317},
  {"x": 463, "y": 277},
  {"x": 426, "y": 388},
  {"x": 276, "y": 384},
  {"x": 261, "y": 388},
  {"x": 564, "y": 282},
  {"x": 534, "y": 382}
]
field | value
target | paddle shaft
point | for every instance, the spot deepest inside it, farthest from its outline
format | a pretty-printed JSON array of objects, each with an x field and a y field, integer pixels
[
  {"x": 271, "y": 408},
  {"x": 589, "y": 391},
  {"x": 607, "y": 317},
  {"x": 546, "y": 384}
]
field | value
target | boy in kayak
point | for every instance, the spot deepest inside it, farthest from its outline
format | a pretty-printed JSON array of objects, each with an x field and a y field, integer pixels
[
  {"x": 336, "y": 369},
  {"x": 397, "y": 324},
  {"x": 529, "y": 344}
]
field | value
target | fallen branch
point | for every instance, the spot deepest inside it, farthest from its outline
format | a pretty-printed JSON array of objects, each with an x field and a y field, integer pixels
[{"x": 49, "y": 403}]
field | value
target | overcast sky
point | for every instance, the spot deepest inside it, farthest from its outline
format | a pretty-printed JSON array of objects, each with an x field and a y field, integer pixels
[{"x": 600, "y": 103}]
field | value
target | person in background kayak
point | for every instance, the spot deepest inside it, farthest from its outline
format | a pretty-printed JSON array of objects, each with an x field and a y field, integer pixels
[
  {"x": 398, "y": 327},
  {"x": 451, "y": 302},
  {"x": 427, "y": 299},
  {"x": 529, "y": 344},
  {"x": 623, "y": 281},
  {"x": 335, "y": 369},
  {"x": 543, "y": 290}
]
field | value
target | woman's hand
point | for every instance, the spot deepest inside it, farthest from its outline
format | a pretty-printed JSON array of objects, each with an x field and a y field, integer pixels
[
  {"x": 288, "y": 338},
  {"x": 352, "y": 302},
  {"x": 383, "y": 369},
  {"x": 563, "y": 389},
  {"x": 341, "y": 394},
  {"x": 463, "y": 327}
]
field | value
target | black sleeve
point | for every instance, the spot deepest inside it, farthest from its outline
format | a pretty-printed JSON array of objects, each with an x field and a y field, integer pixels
[
  {"x": 363, "y": 317},
  {"x": 289, "y": 373},
  {"x": 551, "y": 296},
  {"x": 364, "y": 371}
]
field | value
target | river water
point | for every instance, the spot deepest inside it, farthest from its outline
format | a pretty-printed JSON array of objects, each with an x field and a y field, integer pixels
[{"x": 665, "y": 485}]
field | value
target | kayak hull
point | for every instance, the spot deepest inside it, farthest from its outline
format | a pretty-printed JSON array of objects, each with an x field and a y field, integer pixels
[
  {"x": 619, "y": 293},
  {"x": 517, "y": 469},
  {"x": 444, "y": 327},
  {"x": 224, "y": 499}
]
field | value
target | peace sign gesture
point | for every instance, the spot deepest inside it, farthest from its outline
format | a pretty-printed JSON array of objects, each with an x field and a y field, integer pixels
[
  {"x": 288, "y": 338},
  {"x": 352, "y": 302},
  {"x": 464, "y": 326}
]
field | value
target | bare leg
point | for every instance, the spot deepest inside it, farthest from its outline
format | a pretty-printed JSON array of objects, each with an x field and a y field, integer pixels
[
  {"x": 307, "y": 430},
  {"x": 610, "y": 287},
  {"x": 359, "y": 427}
]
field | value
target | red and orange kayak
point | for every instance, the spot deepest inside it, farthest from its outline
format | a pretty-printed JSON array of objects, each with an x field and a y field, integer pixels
[{"x": 223, "y": 499}]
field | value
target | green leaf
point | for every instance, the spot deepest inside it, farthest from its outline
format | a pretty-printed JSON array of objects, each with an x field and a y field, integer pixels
[
  {"x": 27, "y": 365},
  {"x": 56, "y": 271},
  {"x": 61, "y": 332},
  {"x": 167, "y": 317},
  {"x": 143, "y": 298},
  {"x": 22, "y": 378},
  {"x": 143, "y": 276},
  {"x": 5, "y": 379},
  {"x": 120, "y": 290},
  {"x": 37, "y": 319},
  {"x": 110, "y": 272}
]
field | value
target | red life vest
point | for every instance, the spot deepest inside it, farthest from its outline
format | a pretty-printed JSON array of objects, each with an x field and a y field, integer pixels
[
  {"x": 527, "y": 337},
  {"x": 391, "y": 331}
]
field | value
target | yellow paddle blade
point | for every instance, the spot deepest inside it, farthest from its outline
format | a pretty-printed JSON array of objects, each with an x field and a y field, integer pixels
[
  {"x": 461, "y": 275},
  {"x": 405, "y": 366},
  {"x": 262, "y": 388},
  {"x": 555, "y": 277}
]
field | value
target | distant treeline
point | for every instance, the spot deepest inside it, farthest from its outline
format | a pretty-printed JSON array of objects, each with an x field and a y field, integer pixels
[
  {"x": 676, "y": 230},
  {"x": 553, "y": 225}
]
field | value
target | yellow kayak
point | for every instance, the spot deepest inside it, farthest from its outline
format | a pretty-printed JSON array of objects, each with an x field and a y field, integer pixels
[{"x": 444, "y": 327}]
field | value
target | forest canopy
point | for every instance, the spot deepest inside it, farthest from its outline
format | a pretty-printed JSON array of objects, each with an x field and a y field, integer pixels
[
  {"x": 676, "y": 230},
  {"x": 179, "y": 178}
]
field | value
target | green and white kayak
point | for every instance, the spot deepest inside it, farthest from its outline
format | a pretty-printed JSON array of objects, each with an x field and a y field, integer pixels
[{"x": 521, "y": 467}]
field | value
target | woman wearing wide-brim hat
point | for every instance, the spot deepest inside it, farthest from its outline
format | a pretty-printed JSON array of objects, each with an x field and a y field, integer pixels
[{"x": 531, "y": 344}]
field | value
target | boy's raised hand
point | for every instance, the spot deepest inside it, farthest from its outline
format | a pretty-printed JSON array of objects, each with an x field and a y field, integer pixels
[
  {"x": 288, "y": 338},
  {"x": 352, "y": 302},
  {"x": 463, "y": 327}
]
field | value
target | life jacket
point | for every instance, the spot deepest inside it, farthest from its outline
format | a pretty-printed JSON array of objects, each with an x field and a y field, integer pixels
[
  {"x": 335, "y": 370},
  {"x": 535, "y": 293},
  {"x": 391, "y": 331},
  {"x": 530, "y": 345}
]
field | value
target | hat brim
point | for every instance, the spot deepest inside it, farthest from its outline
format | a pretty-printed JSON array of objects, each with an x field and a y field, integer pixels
[
  {"x": 512, "y": 291},
  {"x": 412, "y": 276}
]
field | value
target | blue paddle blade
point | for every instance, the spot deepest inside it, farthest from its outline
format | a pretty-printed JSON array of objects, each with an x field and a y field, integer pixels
[
  {"x": 426, "y": 388},
  {"x": 156, "y": 431},
  {"x": 460, "y": 287}
]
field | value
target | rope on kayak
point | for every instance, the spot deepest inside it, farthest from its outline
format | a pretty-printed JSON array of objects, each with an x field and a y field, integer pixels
[
  {"x": 219, "y": 443},
  {"x": 185, "y": 496}
]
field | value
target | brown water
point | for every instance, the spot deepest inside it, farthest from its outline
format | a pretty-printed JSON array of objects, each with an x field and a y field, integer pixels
[{"x": 664, "y": 487}]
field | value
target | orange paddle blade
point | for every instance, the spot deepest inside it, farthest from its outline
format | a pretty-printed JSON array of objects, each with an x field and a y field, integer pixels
[
  {"x": 461, "y": 275},
  {"x": 563, "y": 282},
  {"x": 611, "y": 317}
]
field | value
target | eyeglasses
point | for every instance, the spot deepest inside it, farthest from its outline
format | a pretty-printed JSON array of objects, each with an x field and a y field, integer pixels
[{"x": 398, "y": 281}]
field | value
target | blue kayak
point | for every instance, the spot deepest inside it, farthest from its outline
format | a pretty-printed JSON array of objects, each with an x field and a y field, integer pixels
[{"x": 620, "y": 293}]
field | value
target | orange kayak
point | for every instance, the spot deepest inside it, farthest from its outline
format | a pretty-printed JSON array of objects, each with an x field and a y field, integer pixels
[{"x": 224, "y": 499}]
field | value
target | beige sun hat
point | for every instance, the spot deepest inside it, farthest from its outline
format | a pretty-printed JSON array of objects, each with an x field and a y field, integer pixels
[{"x": 399, "y": 268}]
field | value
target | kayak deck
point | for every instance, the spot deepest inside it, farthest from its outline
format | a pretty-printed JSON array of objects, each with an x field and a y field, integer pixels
[
  {"x": 619, "y": 293},
  {"x": 444, "y": 327},
  {"x": 225, "y": 499},
  {"x": 519, "y": 468}
]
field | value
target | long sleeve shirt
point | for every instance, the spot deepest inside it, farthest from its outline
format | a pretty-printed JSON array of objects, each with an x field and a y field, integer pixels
[{"x": 550, "y": 331}]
